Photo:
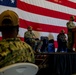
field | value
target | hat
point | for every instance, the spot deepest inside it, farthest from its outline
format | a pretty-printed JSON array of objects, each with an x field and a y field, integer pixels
[
  {"x": 29, "y": 27},
  {"x": 11, "y": 15}
]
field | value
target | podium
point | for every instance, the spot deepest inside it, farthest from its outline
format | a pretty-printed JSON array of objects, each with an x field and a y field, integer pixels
[{"x": 74, "y": 30}]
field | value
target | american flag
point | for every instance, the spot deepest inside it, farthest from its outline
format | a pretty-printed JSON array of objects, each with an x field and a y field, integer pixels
[{"x": 47, "y": 17}]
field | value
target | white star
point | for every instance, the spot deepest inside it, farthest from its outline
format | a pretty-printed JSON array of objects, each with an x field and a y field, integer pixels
[{"x": 12, "y": 1}]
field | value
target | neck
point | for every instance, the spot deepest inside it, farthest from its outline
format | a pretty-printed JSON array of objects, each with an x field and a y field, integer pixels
[
  {"x": 9, "y": 36},
  {"x": 6, "y": 35}
]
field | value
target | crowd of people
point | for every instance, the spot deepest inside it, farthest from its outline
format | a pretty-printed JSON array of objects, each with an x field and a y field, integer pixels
[
  {"x": 45, "y": 45},
  {"x": 38, "y": 45},
  {"x": 13, "y": 50}
]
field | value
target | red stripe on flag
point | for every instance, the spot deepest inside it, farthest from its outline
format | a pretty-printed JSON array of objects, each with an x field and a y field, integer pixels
[
  {"x": 42, "y": 11},
  {"x": 42, "y": 27},
  {"x": 0, "y": 38}
]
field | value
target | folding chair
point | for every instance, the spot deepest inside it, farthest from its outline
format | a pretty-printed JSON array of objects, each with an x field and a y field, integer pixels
[{"x": 19, "y": 69}]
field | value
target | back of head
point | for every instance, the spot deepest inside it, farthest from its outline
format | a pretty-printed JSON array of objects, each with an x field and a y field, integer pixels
[
  {"x": 62, "y": 31},
  {"x": 8, "y": 20}
]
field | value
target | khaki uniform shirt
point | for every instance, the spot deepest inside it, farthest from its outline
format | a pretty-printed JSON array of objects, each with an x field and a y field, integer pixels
[
  {"x": 14, "y": 51},
  {"x": 70, "y": 26}
]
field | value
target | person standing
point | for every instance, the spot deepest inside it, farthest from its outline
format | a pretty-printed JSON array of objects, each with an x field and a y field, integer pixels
[
  {"x": 12, "y": 49},
  {"x": 62, "y": 42},
  {"x": 70, "y": 34}
]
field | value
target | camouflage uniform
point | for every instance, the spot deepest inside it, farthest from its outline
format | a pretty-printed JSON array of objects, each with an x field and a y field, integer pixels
[
  {"x": 29, "y": 38},
  {"x": 36, "y": 44},
  {"x": 14, "y": 51},
  {"x": 70, "y": 26}
]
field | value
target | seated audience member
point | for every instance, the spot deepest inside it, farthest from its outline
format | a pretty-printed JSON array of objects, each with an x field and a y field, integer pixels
[
  {"x": 51, "y": 46},
  {"x": 12, "y": 49},
  {"x": 62, "y": 42},
  {"x": 30, "y": 38}
]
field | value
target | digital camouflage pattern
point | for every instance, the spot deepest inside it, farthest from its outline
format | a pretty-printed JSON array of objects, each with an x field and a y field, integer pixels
[{"x": 14, "y": 51}]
